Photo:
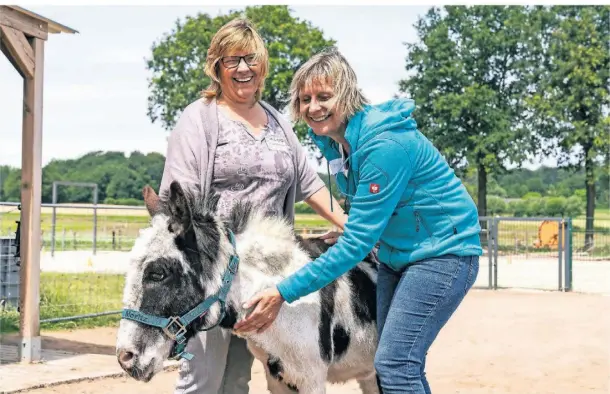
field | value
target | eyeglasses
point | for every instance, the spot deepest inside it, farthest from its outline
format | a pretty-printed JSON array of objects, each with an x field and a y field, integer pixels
[{"x": 233, "y": 61}]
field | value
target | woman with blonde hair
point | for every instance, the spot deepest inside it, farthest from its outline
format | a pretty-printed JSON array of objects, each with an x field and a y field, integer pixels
[
  {"x": 233, "y": 143},
  {"x": 403, "y": 195}
]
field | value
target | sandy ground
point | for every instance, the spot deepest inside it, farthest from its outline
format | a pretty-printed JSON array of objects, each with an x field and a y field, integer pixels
[{"x": 498, "y": 342}]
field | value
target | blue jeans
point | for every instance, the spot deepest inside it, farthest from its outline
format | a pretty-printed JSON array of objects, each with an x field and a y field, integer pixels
[{"x": 412, "y": 307}]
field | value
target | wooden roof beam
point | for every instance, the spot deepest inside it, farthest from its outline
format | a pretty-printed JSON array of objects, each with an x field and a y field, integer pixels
[
  {"x": 20, "y": 50},
  {"x": 25, "y": 23}
]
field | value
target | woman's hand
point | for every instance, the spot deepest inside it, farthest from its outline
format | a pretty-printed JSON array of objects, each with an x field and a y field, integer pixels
[
  {"x": 331, "y": 237},
  {"x": 268, "y": 304}
]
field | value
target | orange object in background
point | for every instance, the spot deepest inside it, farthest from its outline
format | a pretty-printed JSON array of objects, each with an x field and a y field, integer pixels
[{"x": 548, "y": 235}]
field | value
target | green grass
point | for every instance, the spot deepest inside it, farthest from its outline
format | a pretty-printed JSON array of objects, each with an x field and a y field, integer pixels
[
  {"x": 81, "y": 225},
  {"x": 129, "y": 225},
  {"x": 64, "y": 295}
]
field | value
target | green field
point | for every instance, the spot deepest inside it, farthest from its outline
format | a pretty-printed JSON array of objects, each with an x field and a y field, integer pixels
[
  {"x": 116, "y": 231},
  {"x": 129, "y": 224},
  {"x": 64, "y": 295}
]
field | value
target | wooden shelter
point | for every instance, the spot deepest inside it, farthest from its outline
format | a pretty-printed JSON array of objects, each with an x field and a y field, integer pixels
[{"x": 22, "y": 38}]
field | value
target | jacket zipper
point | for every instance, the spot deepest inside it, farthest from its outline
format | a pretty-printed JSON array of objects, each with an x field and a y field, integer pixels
[{"x": 419, "y": 221}]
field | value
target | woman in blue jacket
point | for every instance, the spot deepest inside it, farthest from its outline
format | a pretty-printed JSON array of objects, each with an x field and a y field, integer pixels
[{"x": 401, "y": 194}]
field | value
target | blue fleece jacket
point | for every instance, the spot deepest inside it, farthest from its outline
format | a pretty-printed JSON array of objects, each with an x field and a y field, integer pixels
[{"x": 401, "y": 193}]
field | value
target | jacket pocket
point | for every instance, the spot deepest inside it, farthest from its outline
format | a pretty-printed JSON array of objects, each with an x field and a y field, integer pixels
[
  {"x": 420, "y": 224},
  {"x": 408, "y": 228},
  {"x": 423, "y": 231}
]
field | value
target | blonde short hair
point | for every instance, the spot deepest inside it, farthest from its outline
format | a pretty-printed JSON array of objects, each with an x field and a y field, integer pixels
[
  {"x": 330, "y": 66},
  {"x": 238, "y": 34}
]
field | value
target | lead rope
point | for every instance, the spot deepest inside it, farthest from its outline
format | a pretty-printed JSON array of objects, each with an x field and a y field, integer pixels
[{"x": 330, "y": 186}]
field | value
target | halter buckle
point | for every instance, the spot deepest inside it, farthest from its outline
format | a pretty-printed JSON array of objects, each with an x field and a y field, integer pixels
[
  {"x": 173, "y": 334},
  {"x": 233, "y": 264}
]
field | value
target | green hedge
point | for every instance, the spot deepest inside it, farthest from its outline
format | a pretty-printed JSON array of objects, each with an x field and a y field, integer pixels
[{"x": 537, "y": 206}]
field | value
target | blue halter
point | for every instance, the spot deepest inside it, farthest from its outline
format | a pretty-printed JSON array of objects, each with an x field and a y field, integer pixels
[{"x": 175, "y": 327}]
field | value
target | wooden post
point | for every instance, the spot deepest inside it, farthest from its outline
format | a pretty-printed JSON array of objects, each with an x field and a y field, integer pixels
[
  {"x": 22, "y": 37},
  {"x": 31, "y": 191}
]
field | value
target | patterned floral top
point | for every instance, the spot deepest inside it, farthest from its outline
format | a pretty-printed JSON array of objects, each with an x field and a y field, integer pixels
[{"x": 258, "y": 169}]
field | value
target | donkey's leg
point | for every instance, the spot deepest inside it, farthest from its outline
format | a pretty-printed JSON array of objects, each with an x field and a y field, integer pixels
[
  {"x": 275, "y": 386},
  {"x": 314, "y": 385},
  {"x": 313, "y": 389},
  {"x": 369, "y": 385}
]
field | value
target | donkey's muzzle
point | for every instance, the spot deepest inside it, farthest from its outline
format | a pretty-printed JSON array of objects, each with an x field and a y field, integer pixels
[{"x": 126, "y": 359}]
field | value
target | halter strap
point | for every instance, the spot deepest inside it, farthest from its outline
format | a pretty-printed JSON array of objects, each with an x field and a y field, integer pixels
[{"x": 175, "y": 327}]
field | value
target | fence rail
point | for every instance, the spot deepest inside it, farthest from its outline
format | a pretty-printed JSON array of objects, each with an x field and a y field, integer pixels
[
  {"x": 538, "y": 242},
  {"x": 82, "y": 268}
]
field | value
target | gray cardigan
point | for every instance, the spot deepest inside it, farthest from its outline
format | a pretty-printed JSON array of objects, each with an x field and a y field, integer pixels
[{"x": 192, "y": 146}]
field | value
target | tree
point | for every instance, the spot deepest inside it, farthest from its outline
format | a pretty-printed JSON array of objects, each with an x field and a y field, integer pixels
[
  {"x": 10, "y": 184},
  {"x": 179, "y": 57},
  {"x": 574, "y": 92},
  {"x": 118, "y": 176},
  {"x": 469, "y": 81},
  {"x": 125, "y": 184}
]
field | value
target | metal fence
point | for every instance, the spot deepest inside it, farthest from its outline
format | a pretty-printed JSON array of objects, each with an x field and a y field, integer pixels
[
  {"x": 545, "y": 253},
  {"x": 82, "y": 272},
  {"x": 91, "y": 228},
  {"x": 528, "y": 253},
  {"x": 70, "y": 227},
  {"x": 9, "y": 273}
]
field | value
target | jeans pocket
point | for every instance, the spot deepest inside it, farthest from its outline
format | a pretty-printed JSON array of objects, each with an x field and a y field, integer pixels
[{"x": 473, "y": 272}]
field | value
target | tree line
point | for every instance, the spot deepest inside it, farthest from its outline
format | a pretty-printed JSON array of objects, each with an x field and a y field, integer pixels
[{"x": 121, "y": 177}]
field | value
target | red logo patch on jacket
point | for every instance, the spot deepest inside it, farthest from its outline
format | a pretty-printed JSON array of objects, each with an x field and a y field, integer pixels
[{"x": 374, "y": 188}]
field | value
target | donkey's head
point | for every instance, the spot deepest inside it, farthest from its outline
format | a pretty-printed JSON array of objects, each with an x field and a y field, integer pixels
[{"x": 174, "y": 265}]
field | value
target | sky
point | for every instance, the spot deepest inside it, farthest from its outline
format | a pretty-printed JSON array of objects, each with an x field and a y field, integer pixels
[{"x": 96, "y": 83}]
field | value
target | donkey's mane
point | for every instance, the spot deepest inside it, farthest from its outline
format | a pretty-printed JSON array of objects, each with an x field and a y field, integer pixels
[
  {"x": 242, "y": 214},
  {"x": 265, "y": 242}
]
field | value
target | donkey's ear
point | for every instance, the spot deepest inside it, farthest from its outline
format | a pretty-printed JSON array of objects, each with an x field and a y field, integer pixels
[
  {"x": 151, "y": 200},
  {"x": 179, "y": 209}
]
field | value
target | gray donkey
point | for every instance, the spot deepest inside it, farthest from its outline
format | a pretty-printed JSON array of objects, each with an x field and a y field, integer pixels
[{"x": 192, "y": 271}]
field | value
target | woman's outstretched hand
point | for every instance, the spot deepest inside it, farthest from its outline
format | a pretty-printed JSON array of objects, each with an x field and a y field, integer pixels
[{"x": 268, "y": 304}]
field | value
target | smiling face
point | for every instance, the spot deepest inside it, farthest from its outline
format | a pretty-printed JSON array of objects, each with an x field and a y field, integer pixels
[
  {"x": 240, "y": 80},
  {"x": 318, "y": 107},
  {"x": 240, "y": 75}
]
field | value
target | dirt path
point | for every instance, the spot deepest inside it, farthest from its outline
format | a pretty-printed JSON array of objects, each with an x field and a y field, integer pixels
[
  {"x": 162, "y": 383},
  {"x": 498, "y": 342}
]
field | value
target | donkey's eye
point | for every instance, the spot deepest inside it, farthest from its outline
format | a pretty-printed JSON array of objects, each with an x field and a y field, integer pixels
[{"x": 156, "y": 276}]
